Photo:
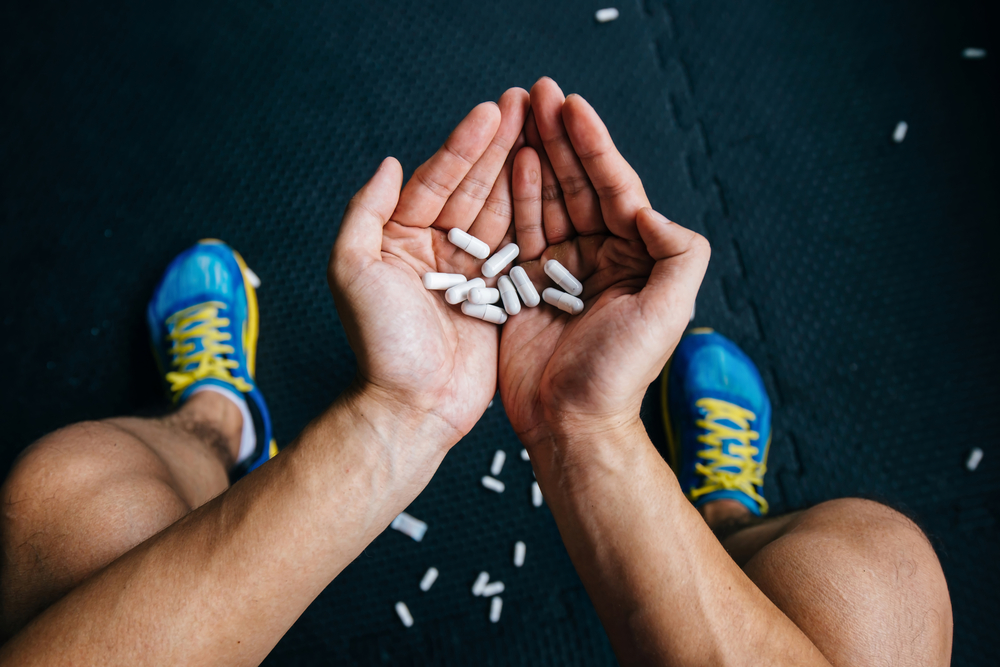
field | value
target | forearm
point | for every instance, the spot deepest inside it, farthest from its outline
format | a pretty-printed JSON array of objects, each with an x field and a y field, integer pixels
[
  {"x": 222, "y": 585},
  {"x": 665, "y": 589}
]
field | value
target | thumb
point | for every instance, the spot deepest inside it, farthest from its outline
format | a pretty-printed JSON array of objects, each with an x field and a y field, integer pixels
[
  {"x": 681, "y": 260},
  {"x": 359, "y": 241}
]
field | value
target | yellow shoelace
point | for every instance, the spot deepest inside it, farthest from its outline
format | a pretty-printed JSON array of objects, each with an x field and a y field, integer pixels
[
  {"x": 740, "y": 456},
  {"x": 201, "y": 322}
]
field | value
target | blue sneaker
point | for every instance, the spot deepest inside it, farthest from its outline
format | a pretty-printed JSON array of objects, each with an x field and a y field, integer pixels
[
  {"x": 718, "y": 421},
  {"x": 203, "y": 321}
]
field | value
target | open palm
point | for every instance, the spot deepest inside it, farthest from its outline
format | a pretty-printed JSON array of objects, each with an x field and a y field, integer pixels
[
  {"x": 578, "y": 201},
  {"x": 421, "y": 353}
]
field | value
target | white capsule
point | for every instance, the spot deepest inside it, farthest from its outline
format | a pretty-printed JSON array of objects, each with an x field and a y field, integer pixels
[
  {"x": 900, "y": 132},
  {"x": 430, "y": 576},
  {"x": 973, "y": 53},
  {"x": 480, "y": 583},
  {"x": 493, "y": 484},
  {"x": 606, "y": 14},
  {"x": 562, "y": 277},
  {"x": 525, "y": 288},
  {"x": 524, "y": 455},
  {"x": 536, "y": 495},
  {"x": 496, "y": 606},
  {"x": 519, "y": 551},
  {"x": 408, "y": 525},
  {"x": 509, "y": 295},
  {"x": 484, "y": 295},
  {"x": 460, "y": 293},
  {"x": 975, "y": 456},
  {"x": 498, "y": 461},
  {"x": 494, "y": 588},
  {"x": 469, "y": 243},
  {"x": 500, "y": 260},
  {"x": 443, "y": 280},
  {"x": 562, "y": 301},
  {"x": 404, "y": 614},
  {"x": 484, "y": 312}
]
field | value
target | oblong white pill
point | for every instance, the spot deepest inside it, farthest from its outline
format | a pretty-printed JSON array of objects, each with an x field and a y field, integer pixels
[
  {"x": 508, "y": 294},
  {"x": 460, "y": 293},
  {"x": 469, "y": 243},
  {"x": 975, "y": 456},
  {"x": 484, "y": 295},
  {"x": 519, "y": 551},
  {"x": 494, "y": 588},
  {"x": 480, "y": 583},
  {"x": 562, "y": 301},
  {"x": 974, "y": 53},
  {"x": 404, "y": 614},
  {"x": 900, "y": 132},
  {"x": 430, "y": 576},
  {"x": 409, "y": 525},
  {"x": 484, "y": 312},
  {"x": 529, "y": 295},
  {"x": 251, "y": 277},
  {"x": 500, "y": 260},
  {"x": 493, "y": 484},
  {"x": 524, "y": 455},
  {"x": 536, "y": 495},
  {"x": 496, "y": 606},
  {"x": 606, "y": 14},
  {"x": 562, "y": 277},
  {"x": 498, "y": 461},
  {"x": 443, "y": 280}
]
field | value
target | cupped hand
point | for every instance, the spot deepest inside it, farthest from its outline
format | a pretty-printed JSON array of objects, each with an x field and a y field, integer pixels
[
  {"x": 417, "y": 353},
  {"x": 577, "y": 200}
]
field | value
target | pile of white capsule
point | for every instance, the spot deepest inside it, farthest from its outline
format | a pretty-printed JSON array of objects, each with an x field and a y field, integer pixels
[{"x": 477, "y": 299}]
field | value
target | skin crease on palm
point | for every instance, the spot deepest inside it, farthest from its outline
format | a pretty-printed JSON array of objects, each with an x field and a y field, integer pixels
[{"x": 593, "y": 217}]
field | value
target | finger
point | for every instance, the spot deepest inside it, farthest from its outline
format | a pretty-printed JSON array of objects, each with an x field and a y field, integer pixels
[
  {"x": 615, "y": 182},
  {"x": 359, "y": 241},
  {"x": 434, "y": 181},
  {"x": 493, "y": 222},
  {"x": 555, "y": 220},
  {"x": 468, "y": 199},
  {"x": 582, "y": 203},
  {"x": 527, "y": 195},
  {"x": 681, "y": 260}
]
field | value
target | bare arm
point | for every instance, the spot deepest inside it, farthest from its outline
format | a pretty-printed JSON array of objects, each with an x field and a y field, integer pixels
[
  {"x": 665, "y": 589},
  {"x": 223, "y": 584}
]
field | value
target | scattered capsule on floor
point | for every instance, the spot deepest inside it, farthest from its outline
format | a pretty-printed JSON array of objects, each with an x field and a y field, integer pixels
[
  {"x": 524, "y": 455},
  {"x": 975, "y": 456},
  {"x": 498, "y": 460},
  {"x": 439, "y": 281},
  {"x": 496, "y": 606},
  {"x": 430, "y": 576},
  {"x": 536, "y": 495},
  {"x": 460, "y": 293},
  {"x": 469, "y": 243},
  {"x": 605, "y": 15},
  {"x": 900, "y": 132},
  {"x": 493, "y": 484},
  {"x": 564, "y": 302},
  {"x": 519, "y": 551},
  {"x": 409, "y": 525},
  {"x": 973, "y": 53},
  {"x": 525, "y": 288},
  {"x": 500, "y": 260},
  {"x": 484, "y": 312},
  {"x": 480, "y": 583},
  {"x": 493, "y": 588},
  {"x": 404, "y": 614}
]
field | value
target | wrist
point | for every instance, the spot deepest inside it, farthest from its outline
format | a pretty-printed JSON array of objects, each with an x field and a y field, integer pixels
[{"x": 583, "y": 443}]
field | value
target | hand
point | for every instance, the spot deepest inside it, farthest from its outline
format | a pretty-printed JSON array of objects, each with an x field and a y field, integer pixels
[
  {"x": 419, "y": 355},
  {"x": 577, "y": 200}
]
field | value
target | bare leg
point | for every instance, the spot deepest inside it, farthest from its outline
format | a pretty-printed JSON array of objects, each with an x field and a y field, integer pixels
[
  {"x": 858, "y": 578},
  {"x": 85, "y": 494}
]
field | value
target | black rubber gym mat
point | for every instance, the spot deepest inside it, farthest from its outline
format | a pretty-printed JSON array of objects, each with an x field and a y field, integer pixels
[{"x": 858, "y": 273}]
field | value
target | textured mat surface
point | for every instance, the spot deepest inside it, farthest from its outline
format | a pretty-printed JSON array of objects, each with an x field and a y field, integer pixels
[{"x": 859, "y": 274}]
